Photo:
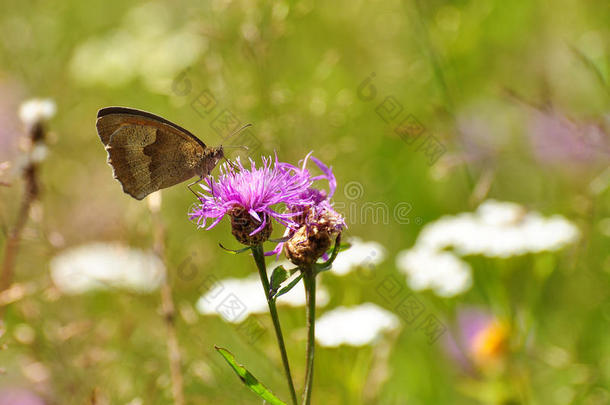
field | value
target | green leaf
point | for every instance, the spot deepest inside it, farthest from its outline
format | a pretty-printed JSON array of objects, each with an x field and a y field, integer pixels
[
  {"x": 247, "y": 378},
  {"x": 233, "y": 251},
  {"x": 279, "y": 275},
  {"x": 336, "y": 249},
  {"x": 344, "y": 246},
  {"x": 288, "y": 287}
]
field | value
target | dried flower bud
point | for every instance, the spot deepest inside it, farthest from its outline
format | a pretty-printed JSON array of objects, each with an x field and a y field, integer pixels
[
  {"x": 305, "y": 247},
  {"x": 314, "y": 238},
  {"x": 243, "y": 225}
]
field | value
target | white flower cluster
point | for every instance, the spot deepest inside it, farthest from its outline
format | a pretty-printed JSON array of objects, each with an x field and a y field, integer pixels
[
  {"x": 496, "y": 229},
  {"x": 100, "y": 266},
  {"x": 443, "y": 272},
  {"x": 236, "y": 298},
  {"x": 360, "y": 254},
  {"x": 354, "y": 326},
  {"x": 36, "y": 110}
]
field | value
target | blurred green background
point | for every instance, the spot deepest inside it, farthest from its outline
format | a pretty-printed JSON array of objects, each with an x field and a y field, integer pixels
[{"x": 476, "y": 75}]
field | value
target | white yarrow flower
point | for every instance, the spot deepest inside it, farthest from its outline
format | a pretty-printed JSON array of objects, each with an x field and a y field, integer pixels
[
  {"x": 360, "y": 254},
  {"x": 234, "y": 299},
  {"x": 443, "y": 272},
  {"x": 36, "y": 110},
  {"x": 498, "y": 229},
  {"x": 495, "y": 229},
  {"x": 99, "y": 266},
  {"x": 354, "y": 326}
]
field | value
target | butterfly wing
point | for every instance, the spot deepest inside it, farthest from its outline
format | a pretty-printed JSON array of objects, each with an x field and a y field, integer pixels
[{"x": 147, "y": 152}]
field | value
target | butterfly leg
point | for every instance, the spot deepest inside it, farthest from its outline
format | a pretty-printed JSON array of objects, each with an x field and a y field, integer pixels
[
  {"x": 193, "y": 183},
  {"x": 231, "y": 163}
]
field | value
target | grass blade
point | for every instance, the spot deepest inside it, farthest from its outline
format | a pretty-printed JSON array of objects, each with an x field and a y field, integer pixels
[{"x": 247, "y": 378}]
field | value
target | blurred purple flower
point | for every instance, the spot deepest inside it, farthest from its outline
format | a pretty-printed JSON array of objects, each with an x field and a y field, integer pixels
[
  {"x": 477, "y": 339},
  {"x": 558, "y": 140},
  {"x": 479, "y": 139},
  {"x": 257, "y": 191},
  {"x": 10, "y": 128},
  {"x": 17, "y": 396}
]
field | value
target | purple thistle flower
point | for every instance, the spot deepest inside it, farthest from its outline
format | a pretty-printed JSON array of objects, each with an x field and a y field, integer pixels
[
  {"x": 253, "y": 195},
  {"x": 19, "y": 396},
  {"x": 315, "y": 215},
  {"x": 321, "y": 206}
]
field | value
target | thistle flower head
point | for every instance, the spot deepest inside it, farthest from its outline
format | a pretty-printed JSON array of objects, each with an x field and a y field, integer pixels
[
  {"x": 317, "y": 219},
  {"x": 315, "y": 208},
  {"x": 251, "y": 197}
]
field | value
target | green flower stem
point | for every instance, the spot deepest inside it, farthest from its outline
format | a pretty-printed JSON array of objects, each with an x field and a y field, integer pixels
[
  {"x": 309, "y": 279},
  {"x": 259, "y": 258}
]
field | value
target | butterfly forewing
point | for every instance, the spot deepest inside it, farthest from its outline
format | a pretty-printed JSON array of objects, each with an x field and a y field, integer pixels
[{"x": 147, "y": 152}]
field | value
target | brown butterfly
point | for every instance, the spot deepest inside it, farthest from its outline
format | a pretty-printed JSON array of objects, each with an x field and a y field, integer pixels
[{"x": 148, "y": 153}]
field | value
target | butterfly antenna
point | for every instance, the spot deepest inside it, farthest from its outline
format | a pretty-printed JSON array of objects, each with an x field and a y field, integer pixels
[
  {"x": 236, "y": 146},
  {"x": 239, "y": 130},
  {"x": 244, "y": 147}
]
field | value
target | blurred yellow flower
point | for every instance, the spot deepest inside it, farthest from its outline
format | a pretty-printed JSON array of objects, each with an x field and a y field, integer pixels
[{"x": 490, "y": 343}]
